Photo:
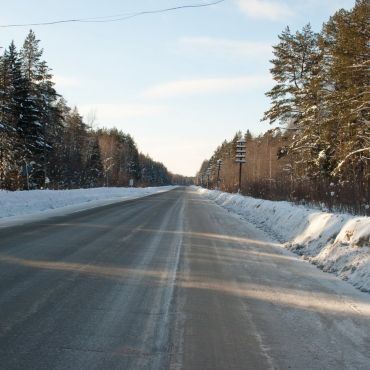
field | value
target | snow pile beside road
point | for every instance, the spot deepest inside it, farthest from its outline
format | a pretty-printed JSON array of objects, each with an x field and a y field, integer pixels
[
  {"x": 20, "y": 203},
  {"x": 338, "y": 243}
]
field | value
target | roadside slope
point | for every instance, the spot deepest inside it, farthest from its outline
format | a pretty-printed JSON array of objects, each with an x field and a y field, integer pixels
[
  {"x": 22, "y": 206},
  {"x": 338, "y": 243}
]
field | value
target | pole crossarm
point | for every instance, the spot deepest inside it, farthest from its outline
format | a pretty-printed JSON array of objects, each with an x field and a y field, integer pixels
[{"x": 240, "y": 157}]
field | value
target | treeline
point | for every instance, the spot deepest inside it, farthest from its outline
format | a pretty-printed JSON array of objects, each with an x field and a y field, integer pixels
[
  {"x": 45, "y": 143},
  {"x": 321, "y": 154}
]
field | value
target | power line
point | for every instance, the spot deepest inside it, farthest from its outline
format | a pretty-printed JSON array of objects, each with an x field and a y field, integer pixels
[{"x": 114, "y": 18}]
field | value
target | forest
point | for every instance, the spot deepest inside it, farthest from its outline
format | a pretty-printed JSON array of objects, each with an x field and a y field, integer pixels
[
  {"x": 319, "y": 153},
  {"x": 44, "y": 143}
]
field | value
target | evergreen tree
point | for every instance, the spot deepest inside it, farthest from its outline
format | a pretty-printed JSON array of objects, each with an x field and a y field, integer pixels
[
  {"x": 42, "y": 138},
  {"x": 11, "y": 149},
  {"x": 74, "y": 143},
  {"x": 345, "y": 45},
  {"x": 296, "y": 97},
  {"x": 31, "y": 123},
  {"x": 294, "y": 67},
  {"x": 93, "y": 173}
]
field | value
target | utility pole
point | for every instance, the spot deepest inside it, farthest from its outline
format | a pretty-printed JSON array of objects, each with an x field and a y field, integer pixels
[
  {"x": 219, "y": 164},
  {"x": 240, "y": 158}
]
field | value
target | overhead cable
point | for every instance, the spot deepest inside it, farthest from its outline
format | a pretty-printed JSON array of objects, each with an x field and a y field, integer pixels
[{"x": 113, "y": 18}]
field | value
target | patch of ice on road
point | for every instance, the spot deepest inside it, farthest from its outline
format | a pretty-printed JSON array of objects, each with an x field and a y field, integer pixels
[
  {"x": 338, "y": 243},
  {"x": 22, "y": 206}
]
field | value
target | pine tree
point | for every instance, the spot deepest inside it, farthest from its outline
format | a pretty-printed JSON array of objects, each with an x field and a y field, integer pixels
[
  {"x": 43, "y": 138},
  {"x": 294, "y": 66},
  {"x": 47, "y": 97},
  {"x": 93, "y": 164},
  {"x": 56, "y": 157},
  {"x": 345, "y": 43},
  {"x": 74, "y": 144},
  {"x": 133, "y": 165},
  {"x": 296, "y": 96},
  {"x": 11, "y": 148},
  {"x": 31, "y": 125}
]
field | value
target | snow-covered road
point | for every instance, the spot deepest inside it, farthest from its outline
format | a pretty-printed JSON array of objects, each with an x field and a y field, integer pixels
[{"x": 170, "y": 281}]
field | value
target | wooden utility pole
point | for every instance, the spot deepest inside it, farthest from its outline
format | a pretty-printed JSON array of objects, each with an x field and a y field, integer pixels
[{"x": 240, "y": 158}]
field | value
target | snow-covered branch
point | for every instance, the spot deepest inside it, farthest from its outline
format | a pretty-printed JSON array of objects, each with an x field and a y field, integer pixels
[{"x": 341, "y": 163}]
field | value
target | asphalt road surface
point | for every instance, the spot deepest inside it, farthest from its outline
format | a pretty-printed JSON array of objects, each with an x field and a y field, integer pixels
[{"x": 170, "y": 281}]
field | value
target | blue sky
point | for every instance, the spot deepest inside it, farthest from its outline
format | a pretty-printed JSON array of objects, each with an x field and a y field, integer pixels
[{"x": 179, "y": 82}]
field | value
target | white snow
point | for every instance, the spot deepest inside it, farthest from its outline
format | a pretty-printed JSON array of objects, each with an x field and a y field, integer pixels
[
  {"x": 338, "y": 243},
  {"x": 18, "y": 207}
]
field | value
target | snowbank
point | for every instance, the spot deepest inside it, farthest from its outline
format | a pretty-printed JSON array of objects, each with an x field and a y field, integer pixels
[
  {"x": 338, "y": 243},
  {"x": 14, "y": 206}
]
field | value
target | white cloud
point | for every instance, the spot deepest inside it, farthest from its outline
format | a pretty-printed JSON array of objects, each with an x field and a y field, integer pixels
[
  {"x": 117, "y": 111},
  {"x": 265, "y": 9},
  {"x": 206, "y": 86},
  {"x": 65, "y": 81},
  {"x": 330, "y": 6},
  {"x": 227, "y": 47}
]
